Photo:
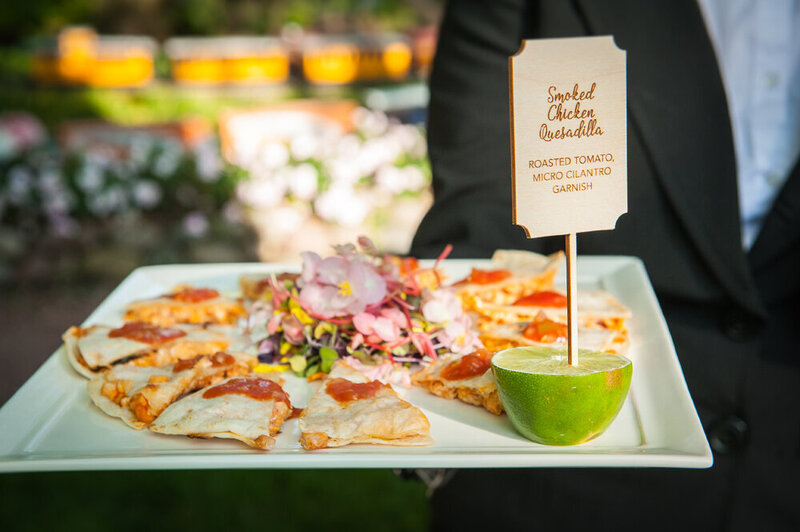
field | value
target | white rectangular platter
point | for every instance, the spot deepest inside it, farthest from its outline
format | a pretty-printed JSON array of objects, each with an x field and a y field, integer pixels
[{"x": 50, "y": 424}]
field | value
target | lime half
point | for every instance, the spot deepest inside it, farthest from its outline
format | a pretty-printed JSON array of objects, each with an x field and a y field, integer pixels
[{"x": 550, "y": 402}]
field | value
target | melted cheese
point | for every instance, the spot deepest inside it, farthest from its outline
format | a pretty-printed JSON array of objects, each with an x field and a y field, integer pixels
[
  {"x": 234, "y": 416},
  {"x": 165, "y": 311},
  {"x": 531, "y": 272},
  {"x": 596, "y": 308},
  {"x": 478, "y": 391},
  {"x": 384, "y": 418},
  {"x": 510, "y": 335},
  {"x": 91, "y": 350},
  {"x": 138, "y": 394}
]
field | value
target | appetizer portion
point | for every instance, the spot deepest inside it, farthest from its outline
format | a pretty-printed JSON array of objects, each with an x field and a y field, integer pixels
[
  {"x": 350, "y": 408},
  {"x": 360, "y": 306},
  {"x": 137, "y": 395},
  {"x": 596, "y": 308},
  {"x": 94, "y": 349},
  {"x": 347, "y": 324},
  {"x": 511, "y": 275},
  {"x": 186, "y": 304},
  {"x": 249, "y": 409},
  {"x": 543, "y": 331},
  {"x": 467, "y": 378}
]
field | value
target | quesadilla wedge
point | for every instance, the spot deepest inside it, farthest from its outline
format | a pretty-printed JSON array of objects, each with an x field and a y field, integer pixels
[
  {"x": 186, "y": 304},
  {"x": 468, "y": 378},
  {"x": 94, "y": 349},
  {"x": 596, "y": 308},
  {"x": 251, "y": 409},
  {"x": 511, "y": 275},
  {"x": 137, "y": 395},
  {"x": 541, "y": 330},
  {"x": 350, "y": 408}
]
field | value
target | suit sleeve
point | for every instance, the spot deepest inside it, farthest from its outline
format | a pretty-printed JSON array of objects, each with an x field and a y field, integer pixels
[{"x": 468, "y": 130}]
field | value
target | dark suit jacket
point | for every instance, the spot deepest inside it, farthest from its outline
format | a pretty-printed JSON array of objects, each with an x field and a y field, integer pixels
[{"x": 731, "y": 313}]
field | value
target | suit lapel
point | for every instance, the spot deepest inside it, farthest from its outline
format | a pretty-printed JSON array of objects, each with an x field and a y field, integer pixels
[
  {"x": 678, "y": 106},
  {"x": 781, "y": 228}
]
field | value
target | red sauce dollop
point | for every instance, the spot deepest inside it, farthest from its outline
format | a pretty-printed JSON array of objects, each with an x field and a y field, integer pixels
[
  {"x": 478, "y": 276},
  {"x": 545, "y": 298},
  {"x": 218, "y": 359},
  {"x": 408, "y": 265},
  {"x": 545, "y": 331},
  {"x": 471, "y": 365},
  {"x": 146, "y": 333},
  {"x": 345, "y": 391},
  {"x": 253, "y": 387},
  {"x": 195, "y": 295}
]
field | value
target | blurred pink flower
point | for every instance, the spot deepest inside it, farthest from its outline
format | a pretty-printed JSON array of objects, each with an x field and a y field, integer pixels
[
  {"x": 459, "y": 336},
  {"x": 441, "y": 306},
  {"x": 376, "y": 328},
  {"x": 23, "y": 129},
  {"x": 423, "y": 344},
  {"x": 396, "y": 316},
  {"x": 381, "y": 372},
  {"x": 356, "y": 341},
  {"x": 274, "y": 324},
  {"x": 339, "y": 286},
  {"x": 310, "y": 262},
  {"x": 292, "y": 329}
]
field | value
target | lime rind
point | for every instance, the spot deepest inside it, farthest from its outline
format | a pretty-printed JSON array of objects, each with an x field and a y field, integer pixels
[
  {"x": 554, "y": 361},
  {"x": 550, "y": 403}
]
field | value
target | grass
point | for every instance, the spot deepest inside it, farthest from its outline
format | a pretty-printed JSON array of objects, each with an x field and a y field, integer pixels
[{"x": 353, "y": 500}]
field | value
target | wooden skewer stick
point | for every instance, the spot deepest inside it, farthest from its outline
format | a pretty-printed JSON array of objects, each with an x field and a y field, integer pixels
[
  {"x": 572, "y": 299},
  {"x": 540, "y": 67}
]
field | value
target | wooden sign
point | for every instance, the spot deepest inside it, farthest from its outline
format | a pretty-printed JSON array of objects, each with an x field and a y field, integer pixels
[
  {"x": 569, "y": 135},
  {"x": 569, "y": 152}
]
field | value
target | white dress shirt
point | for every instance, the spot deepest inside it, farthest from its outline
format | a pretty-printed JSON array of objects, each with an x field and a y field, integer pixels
[{"x": 757, "y": 44}]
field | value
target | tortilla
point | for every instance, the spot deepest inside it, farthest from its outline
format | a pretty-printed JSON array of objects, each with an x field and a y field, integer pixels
[
  {"x": 236, "y": 415},
  {"x": 380, "y": 418}
]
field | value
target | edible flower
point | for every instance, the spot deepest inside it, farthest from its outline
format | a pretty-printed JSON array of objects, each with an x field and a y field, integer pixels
[
  {"x": 359, "y": 305},
  {"x": 385, "y": 326},
  {"x": 441, "y": 306},
  {"x": 340, "y": 285}
]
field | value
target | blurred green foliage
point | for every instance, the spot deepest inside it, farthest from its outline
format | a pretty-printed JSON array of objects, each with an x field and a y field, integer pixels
[
  {"x": 156, "y": 103},
  {"x": 23, "y": 19},
  {"x": 26, "y": 18},
  {"x": 353, "y": 500}
]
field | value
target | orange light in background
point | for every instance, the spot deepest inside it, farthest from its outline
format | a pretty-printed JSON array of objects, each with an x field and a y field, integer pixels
[
  {"x": 228, "y": 60},
  {"x": 81, "y": 57},
  {"x": 338, "y": 60},
  {"x": 331, "y": 64},
  {"x": 396, "y": 60},
  {"x": 133, "y": 68}
]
